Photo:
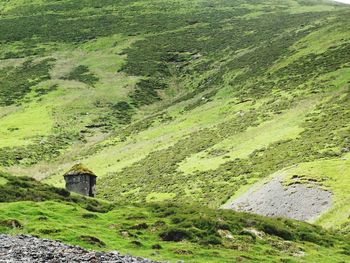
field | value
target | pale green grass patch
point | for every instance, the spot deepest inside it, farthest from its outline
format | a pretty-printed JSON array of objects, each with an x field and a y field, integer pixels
[
  {"x": 339, "y": 78},
  {"x": 26, "y": 123},
  {"x": 7, "y": 110},
  {"x": 34, "y": 119},
  {"x": 3, "y": 181},
  {"x": 15, "y": 62},
  {"x": 8, "y": 5},
  {"x": 56, "y": 179},
  {"x": 115, "y": 158},
  {"x": 103, "y": 58},
  {"x": 284, "y": 126},
  {"x": 159, "y": 197},
  {"x": 122, "y": 154},
  {"x": 312, "y": 8},
  {"x": 316, "y": 43},
  {"x": 112, "y": 85}
]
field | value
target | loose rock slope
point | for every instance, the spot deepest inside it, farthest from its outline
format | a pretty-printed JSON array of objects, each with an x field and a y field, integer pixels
[
  {"x": 22, "y": 248},
  {"x": 296, "y": 201}
]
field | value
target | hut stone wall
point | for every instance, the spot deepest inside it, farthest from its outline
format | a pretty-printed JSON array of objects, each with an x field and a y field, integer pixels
[{"x": 83, "y": 184}]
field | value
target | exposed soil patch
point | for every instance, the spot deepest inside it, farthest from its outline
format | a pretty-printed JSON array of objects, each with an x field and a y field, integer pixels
[{"x": 297, "y": 201}]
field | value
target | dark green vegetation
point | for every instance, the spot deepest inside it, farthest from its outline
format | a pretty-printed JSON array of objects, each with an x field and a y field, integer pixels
[
  {"x": 15, "y": 83},
  {"x": 162, "y": 231},
  {"x": 187, "y": 102},
  {"x": 40, "y": 150},
  {"x": 82, "y": 74}
]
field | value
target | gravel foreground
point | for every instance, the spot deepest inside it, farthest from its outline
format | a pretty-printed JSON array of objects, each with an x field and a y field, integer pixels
[{"x": 23, "y": 249}]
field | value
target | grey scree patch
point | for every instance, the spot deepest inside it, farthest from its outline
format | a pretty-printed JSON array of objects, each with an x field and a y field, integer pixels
[{"x": 297, "y": 201}]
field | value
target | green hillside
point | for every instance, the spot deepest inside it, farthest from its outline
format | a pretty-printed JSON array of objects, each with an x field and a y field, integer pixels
[
  {"x": 163, "y": 232},
  {"x": 187, "y": 102}
]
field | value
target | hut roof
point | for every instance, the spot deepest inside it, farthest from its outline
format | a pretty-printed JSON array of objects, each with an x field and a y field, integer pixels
[{"x": 79, "y": 169}]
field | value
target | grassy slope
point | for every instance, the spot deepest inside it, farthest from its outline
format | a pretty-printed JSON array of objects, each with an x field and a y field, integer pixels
[
  {"x": 185, "y": 233},
  {"x": 272, "y": 79}
]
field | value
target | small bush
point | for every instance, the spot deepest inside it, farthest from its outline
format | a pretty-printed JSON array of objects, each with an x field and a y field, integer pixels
[
  {"x": 49, "y": 231},
  {"x": 175, "y": 235},
  {"x": 92, "y": 240},
  {"x": 62, "y": 192},
  {"x": 177, "y": 220},
  {"x": 89, "y": 216},
  {"x": 82, "y": 74},
  {"x": 11, "y": 223},
  {"x": 136, "y": 243},
  {"x": 274, "y": 229},
  {"x": 140, "y": 226},
  {"x": 211, "y": 240},
  {"x": 156, "y": 246}
]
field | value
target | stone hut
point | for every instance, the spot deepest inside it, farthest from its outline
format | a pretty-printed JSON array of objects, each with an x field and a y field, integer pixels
[{"x": 81, "y": 180}]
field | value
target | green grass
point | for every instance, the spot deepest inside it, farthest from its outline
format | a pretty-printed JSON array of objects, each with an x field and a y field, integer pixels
[
  {"x": 317, "y": 43},
  {"x": 159, "y": 197},
  {"x": 184, "y": 101},
  {"x": 3, "y": 181},
  {"x": 160, "y": 231},
  {"x": 18, "y": 127},
  {"x": 282, "y": 127},
  {"x": 68, "y": 223}
]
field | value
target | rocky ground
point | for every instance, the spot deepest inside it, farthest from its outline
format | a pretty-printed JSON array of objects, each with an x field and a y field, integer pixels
[
  {"x": 297, "y": 201},
  {"x": 16, "y": 249}
]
